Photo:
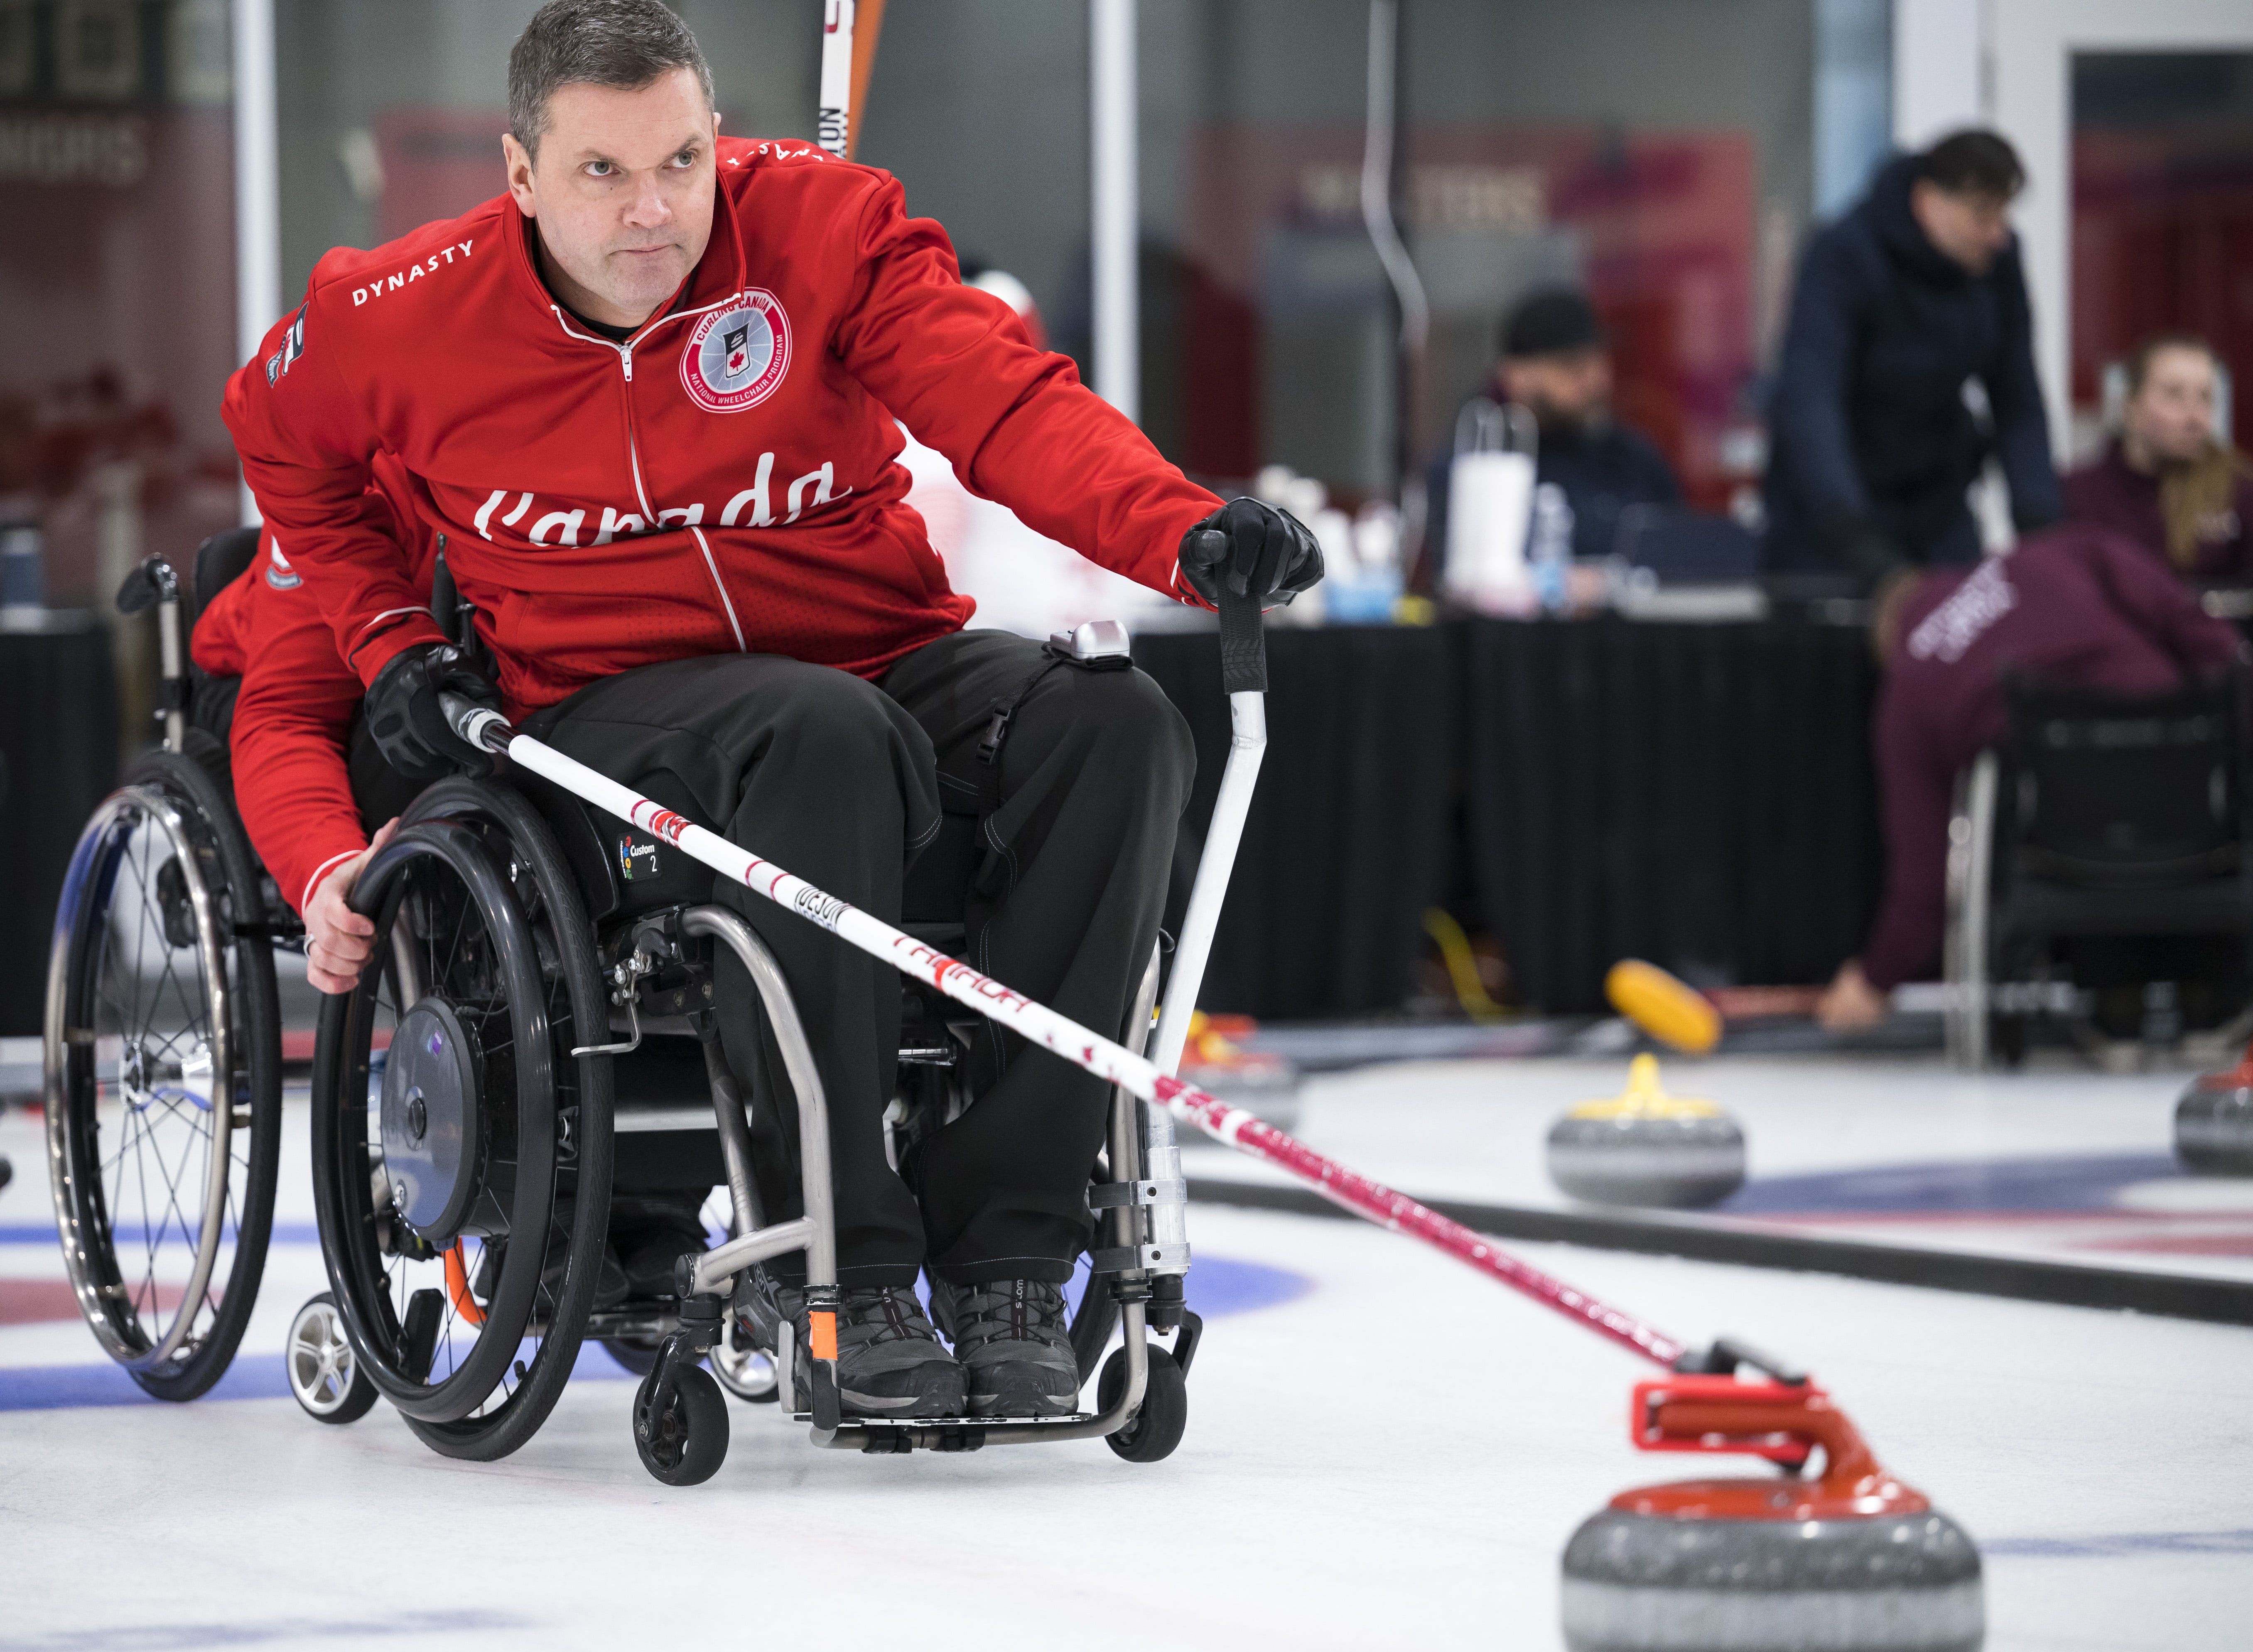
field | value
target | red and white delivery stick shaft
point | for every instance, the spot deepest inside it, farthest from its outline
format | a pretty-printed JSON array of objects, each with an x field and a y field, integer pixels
[{"x": 1067, "y": 1038}]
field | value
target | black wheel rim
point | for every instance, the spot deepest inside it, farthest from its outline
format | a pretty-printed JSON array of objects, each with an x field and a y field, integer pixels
[{"x": 473, "y": 1302}]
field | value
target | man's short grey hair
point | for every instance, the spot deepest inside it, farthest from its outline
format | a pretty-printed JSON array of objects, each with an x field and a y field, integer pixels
[{"x": 625, "y": 43}]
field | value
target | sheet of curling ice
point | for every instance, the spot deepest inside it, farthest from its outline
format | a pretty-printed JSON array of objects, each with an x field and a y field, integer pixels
[
  {"x": 1077, "y": 1044},
  {"x": 1489, "y": 502}
]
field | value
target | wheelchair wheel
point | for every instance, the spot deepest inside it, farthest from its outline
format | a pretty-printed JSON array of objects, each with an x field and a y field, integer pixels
[
  {"x": 164, "y": 1076},
  {"x": 1153, "y": 1431},
  {"x": 744, "y": 1369},
  {"x": 460, "y": 1153},
  {"x": 684, "y": 1444},
  {"x": 324, "y": 1377}
]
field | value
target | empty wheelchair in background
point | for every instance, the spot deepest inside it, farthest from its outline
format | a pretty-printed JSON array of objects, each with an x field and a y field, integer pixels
[
  {"x": 163, "y": 1034},
  {"x": 535, "y": 1044},
  {"x": 2100, "y": 849}
]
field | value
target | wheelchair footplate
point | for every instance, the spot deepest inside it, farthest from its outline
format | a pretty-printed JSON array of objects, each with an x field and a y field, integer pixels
[{"x": 897, "y": 1436}]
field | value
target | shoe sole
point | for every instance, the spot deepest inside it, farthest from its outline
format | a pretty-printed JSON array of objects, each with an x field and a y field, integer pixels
[{"x": 1026, "y": 1399}]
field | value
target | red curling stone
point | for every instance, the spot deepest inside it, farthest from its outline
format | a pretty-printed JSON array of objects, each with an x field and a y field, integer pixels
[{"x": 1853, "y": 1561}]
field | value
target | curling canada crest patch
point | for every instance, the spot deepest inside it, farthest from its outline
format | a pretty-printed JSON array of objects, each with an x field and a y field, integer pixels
[{"x": 737, "y": 355}]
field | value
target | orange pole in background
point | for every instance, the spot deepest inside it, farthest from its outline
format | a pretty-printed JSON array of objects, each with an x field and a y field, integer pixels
[{"x": 867, "y": 22}]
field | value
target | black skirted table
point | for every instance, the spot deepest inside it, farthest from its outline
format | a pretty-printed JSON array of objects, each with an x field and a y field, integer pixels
[
  {"x": 58, "y": 717},
  {"x": 1348, "y": 830},
  {"x": 1698, "y": 794}
]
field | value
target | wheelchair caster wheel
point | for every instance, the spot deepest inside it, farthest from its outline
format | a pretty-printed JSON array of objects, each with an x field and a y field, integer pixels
[
  {"x": 1153, "y": 1431},
  {"x": 325, "y": 1377},
  {"x": 686, "y": 1445},
  {"x": 746, "y": 1371}
]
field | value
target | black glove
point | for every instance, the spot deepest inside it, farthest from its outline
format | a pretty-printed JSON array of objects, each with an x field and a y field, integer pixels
[
  {"x": 1252, "y": 549},
  {"x": 404, "y": 717}
]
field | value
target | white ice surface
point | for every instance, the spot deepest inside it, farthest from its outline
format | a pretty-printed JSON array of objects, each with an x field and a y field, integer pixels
[{"x": 1394, "y": 1459}]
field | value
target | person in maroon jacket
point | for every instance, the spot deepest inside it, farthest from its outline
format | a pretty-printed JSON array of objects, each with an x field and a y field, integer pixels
[
  {"x": 2166, "y": 482},
  {"x": 2073, "y": 605},
  {"x": 651, "y": 396}
]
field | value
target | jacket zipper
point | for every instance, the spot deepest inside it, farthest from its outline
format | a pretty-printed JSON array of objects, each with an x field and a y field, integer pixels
[{"x": 641, "y": 493}]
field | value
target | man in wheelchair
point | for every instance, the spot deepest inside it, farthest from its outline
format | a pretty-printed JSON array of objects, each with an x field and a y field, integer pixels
[{"x": 651, "y": 397}]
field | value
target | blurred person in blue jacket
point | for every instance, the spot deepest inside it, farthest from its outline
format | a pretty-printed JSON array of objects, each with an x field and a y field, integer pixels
[
  {"x": 1908, "y": 362},
  {"x": 1556, "y": 364}
]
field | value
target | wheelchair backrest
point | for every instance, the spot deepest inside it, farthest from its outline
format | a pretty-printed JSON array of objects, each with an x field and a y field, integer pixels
[
  {"x": 2109, "y": 790},
  {"x": 220, "y": 562}
]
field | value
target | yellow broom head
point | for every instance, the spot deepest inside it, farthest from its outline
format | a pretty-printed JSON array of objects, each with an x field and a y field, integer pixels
[{"x": 1670, "y": 1009}]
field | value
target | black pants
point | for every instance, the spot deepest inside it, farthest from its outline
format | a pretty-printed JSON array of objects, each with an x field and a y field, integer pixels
[{"x": 844, "y": 783}]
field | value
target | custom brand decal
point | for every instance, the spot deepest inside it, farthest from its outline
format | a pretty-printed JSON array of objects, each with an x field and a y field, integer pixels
[
  {"x": 636, "y": 860},
  {"x": 736, "y": 356},
  {"x": 279, "y": 574}
]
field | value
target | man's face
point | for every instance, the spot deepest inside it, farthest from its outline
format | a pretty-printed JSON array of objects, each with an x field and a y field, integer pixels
[
  {"x": 622, "y": 193},
  {"x": 2170, "y": 416},
  {"x": 1571, "y": 387},
  {"x": 1967, "y": 226}
]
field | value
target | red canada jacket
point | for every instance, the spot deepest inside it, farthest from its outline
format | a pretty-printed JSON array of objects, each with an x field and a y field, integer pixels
[
  {"x": 723, "y": 480},
  {"x": 294, "y": 711}
]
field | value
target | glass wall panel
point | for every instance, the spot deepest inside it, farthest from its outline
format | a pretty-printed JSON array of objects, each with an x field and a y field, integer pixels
[{"x": 1656, "y": 152}]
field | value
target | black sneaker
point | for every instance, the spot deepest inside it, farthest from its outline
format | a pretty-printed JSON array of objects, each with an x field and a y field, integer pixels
[
  {"x": 1015, "y": 1346},
  {"x": 889, "y": 1362}
]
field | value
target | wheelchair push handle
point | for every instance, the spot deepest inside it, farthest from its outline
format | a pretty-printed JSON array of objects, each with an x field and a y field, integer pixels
[{"x": 154, "y": 583}]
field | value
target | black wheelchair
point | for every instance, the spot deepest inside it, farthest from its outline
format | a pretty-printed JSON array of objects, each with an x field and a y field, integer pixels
[
  {"x": 2099, "y": 871},
  {"x": 535, "y": 1044}
]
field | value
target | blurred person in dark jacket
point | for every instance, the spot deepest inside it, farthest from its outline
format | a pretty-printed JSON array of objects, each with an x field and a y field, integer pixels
[
  {"x": 2166, "y": 482},
  {"x": 1555, "y": 364},
  {"x": 1908, "y": 362},
  {"x": 2075, "y": 606}
]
